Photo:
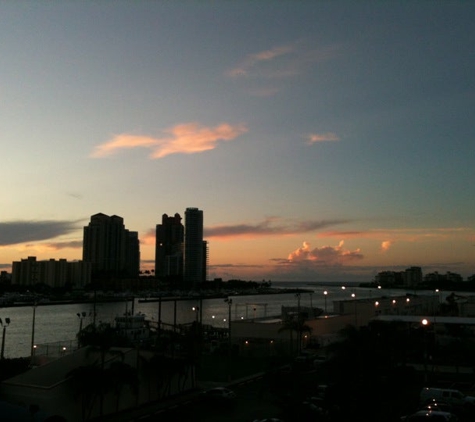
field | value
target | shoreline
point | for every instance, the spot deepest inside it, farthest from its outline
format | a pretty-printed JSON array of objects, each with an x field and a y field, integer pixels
[{"x": 165, "y": 298}]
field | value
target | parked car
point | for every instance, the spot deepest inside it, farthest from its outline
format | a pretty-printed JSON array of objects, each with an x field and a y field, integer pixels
[
  {"x": 430, "y": 416},
  {"x": 219, "y": 395},
  {"x": 268, "y": 420},
  {"x": 453, "y": 397},
  {"x": 434, "y": 404}
]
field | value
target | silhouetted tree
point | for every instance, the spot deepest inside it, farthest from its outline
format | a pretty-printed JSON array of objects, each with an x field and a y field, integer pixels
[{"x": 299, "y": 326}]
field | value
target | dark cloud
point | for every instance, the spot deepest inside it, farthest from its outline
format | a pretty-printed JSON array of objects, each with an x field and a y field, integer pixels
[
  {"x": 235, "y": 266},
  {"x": 73, "y": 244},
  {"x": 271, "y": 226},
  {"x": 14, "y": 232}
]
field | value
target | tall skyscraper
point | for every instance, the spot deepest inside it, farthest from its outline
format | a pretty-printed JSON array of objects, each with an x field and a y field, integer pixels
[
  {"x": 195, "y": 248},
  {"x": 169, "y": 237},
  {"x": 110, "y": 247}
]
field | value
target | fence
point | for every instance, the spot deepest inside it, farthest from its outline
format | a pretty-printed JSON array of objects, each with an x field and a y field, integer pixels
[{"x": 56, "y": 349}]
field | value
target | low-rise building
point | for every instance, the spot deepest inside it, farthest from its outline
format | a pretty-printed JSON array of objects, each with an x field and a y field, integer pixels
[{"x": 54, "y": 273}]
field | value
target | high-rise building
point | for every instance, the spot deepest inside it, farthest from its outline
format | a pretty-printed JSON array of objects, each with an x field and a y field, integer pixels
[
  {"x": 169, "y": 237},
  {"x": 110, "y": 247},
  {"x": 195, "y": 249}
]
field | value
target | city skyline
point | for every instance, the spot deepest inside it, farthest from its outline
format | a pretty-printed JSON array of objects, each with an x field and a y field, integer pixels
[{"x": 324, "y": 141}]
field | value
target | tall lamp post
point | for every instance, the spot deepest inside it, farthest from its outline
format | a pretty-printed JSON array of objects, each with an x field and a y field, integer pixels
[
  {"x": 81, "y": 316},
  {"x": 5, "y": 325},
  {"x": 33, "y": 330},
  {"x": 425, "y": 324},
  {"x": 325, "y": 293},
  {"x": 230, "y": 303},
  {"x": 196, "y": 309},
  {"x": 299, "y": 330}
]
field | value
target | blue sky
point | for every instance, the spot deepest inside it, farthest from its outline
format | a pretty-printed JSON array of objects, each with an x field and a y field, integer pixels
[{"x": 323, "y": 140}]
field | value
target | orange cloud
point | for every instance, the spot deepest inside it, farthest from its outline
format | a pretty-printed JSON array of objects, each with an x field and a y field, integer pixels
[
  {"x": 187, "y": 138},
  {"x": 321, "y": 137},
  {"x": 148, "y": 238},
  {"x": 327, "y": 255},
  {"x": 386, "y": 245}
]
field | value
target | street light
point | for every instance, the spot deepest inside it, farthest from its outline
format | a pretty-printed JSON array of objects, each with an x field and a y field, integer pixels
[
  {"x": 196, "y": 309},
  {"x": 33, "y": 330},
  {"x": 230, "y": 303},
  {"x": 7, "y": 323},
  {"x": 354, "y": 300},
  {"x": 325, "y": 293},
  {"x": 81, "y": 316},
  {"x": 425, "y": 324}
]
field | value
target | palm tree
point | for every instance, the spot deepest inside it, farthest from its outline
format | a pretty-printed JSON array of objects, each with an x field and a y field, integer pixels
[
  {"x": 120, "y": 374},
  {"x": 83, "y": 381},
  {"x": 101, "y": 339},
  {"x": 298, "y": 325}
]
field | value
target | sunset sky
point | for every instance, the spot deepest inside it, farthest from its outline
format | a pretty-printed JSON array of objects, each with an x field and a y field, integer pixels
[{"x": 323, "y": 140}]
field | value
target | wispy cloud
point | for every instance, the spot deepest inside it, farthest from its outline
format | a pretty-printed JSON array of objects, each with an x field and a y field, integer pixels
[
  {"x": 402, "y": 234},
  {"x": 313, "y": 138},
  {"x": 187, "y": 138},
  {"x": 251, "y": 63},
  {"x": 282, "y": 61},
  {"x": 271, "y": 226},
  {"x": 15, "y": 232}
]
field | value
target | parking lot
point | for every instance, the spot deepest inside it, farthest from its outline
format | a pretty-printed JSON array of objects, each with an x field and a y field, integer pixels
[{"x": 252, "y": 402}]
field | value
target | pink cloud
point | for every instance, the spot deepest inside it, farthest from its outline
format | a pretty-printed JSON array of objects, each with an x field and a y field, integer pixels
[
  {"x": 321, "y": 137},
  {"x": 191, "y": 138},
  {"x": 187, "y": 138}
]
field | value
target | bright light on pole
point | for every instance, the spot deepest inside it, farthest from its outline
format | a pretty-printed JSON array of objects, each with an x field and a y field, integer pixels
[{"x": 33, "y": 331}]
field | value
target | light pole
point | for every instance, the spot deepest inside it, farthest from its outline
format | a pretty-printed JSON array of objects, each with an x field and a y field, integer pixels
[
  {"x": 5, "y": 325},
  {"x": 196, "y": 309},
  {"x": 33, "y": 330},
  {"x": 230, "y": 303},
  {"x": 81, "y": 316},
  {"x": 325, "y": 293},
  {"x": 299, "y": 331},
  {"x": 356, "y": 318},
  {"x": 425, "y": 324}
]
